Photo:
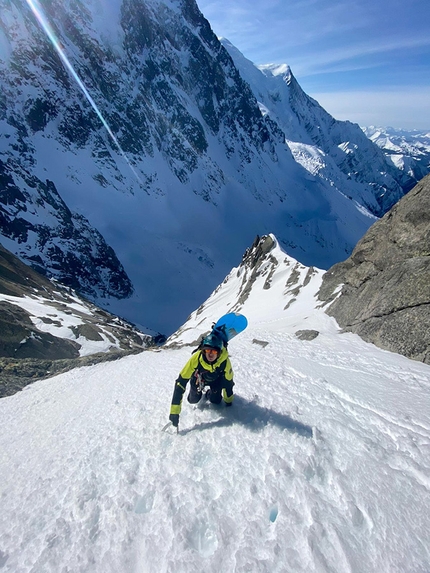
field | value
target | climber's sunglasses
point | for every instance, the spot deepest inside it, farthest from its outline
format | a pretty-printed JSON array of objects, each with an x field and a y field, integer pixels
[{"x": 210, "y": 350}]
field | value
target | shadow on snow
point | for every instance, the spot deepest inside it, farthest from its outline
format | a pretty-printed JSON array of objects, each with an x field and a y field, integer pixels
[{"x": 251, "y": 415}]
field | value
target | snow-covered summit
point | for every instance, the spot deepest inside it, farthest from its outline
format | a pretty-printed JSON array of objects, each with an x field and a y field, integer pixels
[
  {"x": 283, "y": 70},
  {"x": 332, "y": 150}
]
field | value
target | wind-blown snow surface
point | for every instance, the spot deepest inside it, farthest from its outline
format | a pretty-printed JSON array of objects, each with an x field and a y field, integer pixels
[{"x": 322, "y": 464}]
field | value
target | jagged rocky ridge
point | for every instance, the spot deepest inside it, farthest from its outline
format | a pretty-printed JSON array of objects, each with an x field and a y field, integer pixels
[
  {"x": 385, "y": 283},
  {"x": 334, "y": 150},
  {"x": 46, "y": 328},
  {"x": 198, "y": 151},
  {"x": 265, "y": 278}
]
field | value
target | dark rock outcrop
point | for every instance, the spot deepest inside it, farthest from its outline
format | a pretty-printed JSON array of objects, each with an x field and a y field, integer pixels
[
  {"x": 307, "y": 334},
  {"x": 385, "y": 293},
  {"x": 19, "y": 338},
  {"x": 44, "y": 326}
]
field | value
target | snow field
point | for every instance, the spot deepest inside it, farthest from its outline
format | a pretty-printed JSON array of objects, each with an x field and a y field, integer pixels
[{"x": 322, "y": 464}]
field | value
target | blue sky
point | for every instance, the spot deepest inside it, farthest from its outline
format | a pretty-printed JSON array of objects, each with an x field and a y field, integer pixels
[{"x": 364, "y": 60}]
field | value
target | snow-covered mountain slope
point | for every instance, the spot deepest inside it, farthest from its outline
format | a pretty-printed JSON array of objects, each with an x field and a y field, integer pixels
[
  {"x": 52, "y": 327},
  {"x": 321, "y": 464},
  {"x": 137, "y": 116},
  {"x": 407, "y": 149},
  {"x": 265, "y": 274},
  {"x": 332, "y": 150}
]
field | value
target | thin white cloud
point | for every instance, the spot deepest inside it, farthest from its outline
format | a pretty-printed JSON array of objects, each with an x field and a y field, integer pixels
[
  {"x": 285, "y": 25},
  {"x": 311, "y": 33},
  {"x": 335, "y": 59},
  {"x": 402, "y": 107}
]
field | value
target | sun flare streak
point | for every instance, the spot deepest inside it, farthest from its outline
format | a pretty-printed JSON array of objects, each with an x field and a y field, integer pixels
[{"x": 41, "y": 18}]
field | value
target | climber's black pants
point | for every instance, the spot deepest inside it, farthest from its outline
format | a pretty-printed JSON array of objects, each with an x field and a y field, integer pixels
[{"x": 215, "y": 396}]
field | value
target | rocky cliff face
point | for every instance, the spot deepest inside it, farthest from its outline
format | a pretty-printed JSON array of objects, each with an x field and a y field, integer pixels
[
  {"x": 345, "y": 142},
  {"x": 55, "y": 241},
  {"x": 382, "y": 291},
  {"x": 161, "y": 65}
]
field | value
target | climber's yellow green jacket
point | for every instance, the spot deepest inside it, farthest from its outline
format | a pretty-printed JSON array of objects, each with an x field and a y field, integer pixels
[{"x": 217, "y": 375}]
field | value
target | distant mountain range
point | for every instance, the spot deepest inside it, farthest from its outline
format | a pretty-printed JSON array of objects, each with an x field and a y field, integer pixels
[
  {"x": 138, "y": 159},
  {"x": 408, "y": 150}
]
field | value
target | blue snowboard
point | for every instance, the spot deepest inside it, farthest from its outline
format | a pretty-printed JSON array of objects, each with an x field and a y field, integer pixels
[{"x": 229, "y": 325}]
